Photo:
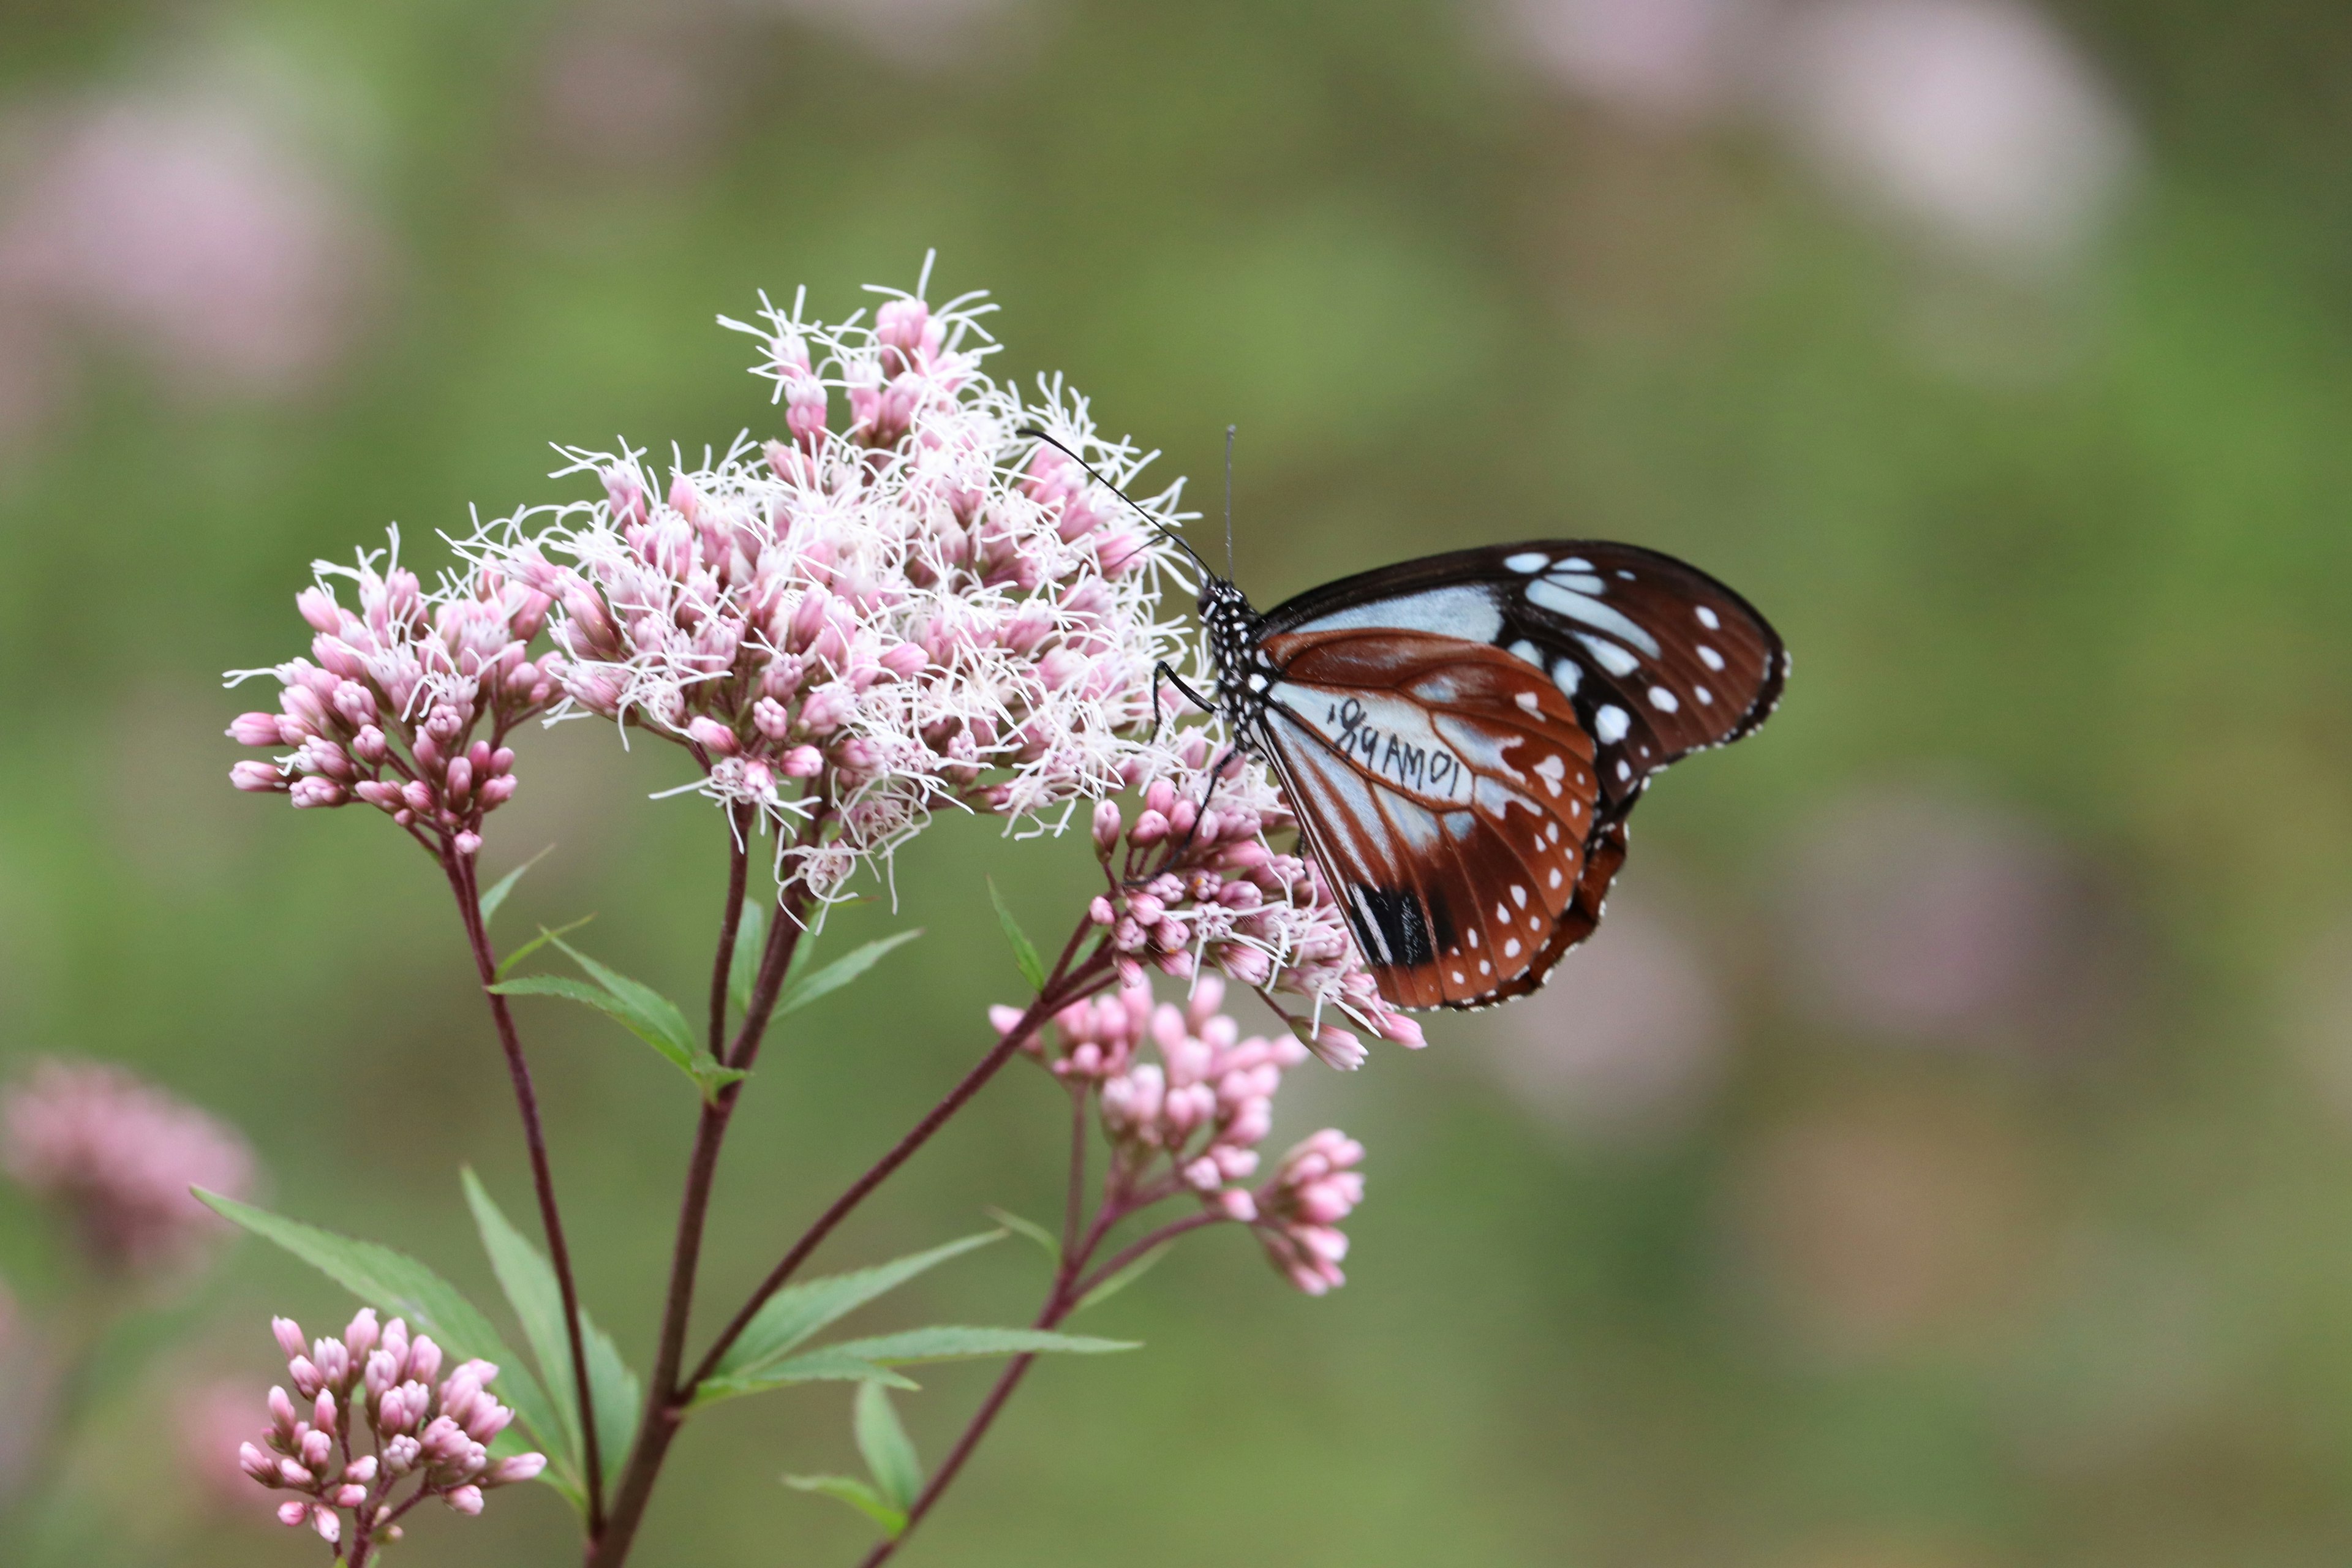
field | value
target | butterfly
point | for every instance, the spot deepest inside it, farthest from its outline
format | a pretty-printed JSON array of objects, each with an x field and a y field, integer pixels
[{"x": 1462, "y": 737}]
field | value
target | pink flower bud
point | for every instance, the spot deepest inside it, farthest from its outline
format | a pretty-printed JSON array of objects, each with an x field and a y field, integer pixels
[
  {"x": 1160, "y": 796},
  {"x": 1333, "y": 1046},
  {"x": 1108, "y": 826},
  {"x": 316, "y": 1448},
  {"x": 1100, "y": 912},
  {"x": 257, "y": 777},
  {"x": 465, "y": 1500},
  {"x": 906, "y": 662},
  {"x": 1149, "y": 828},
  {"x": 349, "y": 1496},
  {"x": 1004, "y": 1019},
  {"x": 712, "y": 736},
  {"x": 771, "y": 718},
  {"x": 257, "y": 1464},
  {"x": 400, "y": 1455},
  {"x": 253, "y": 730},
  {"x": 292, "y": 1514},
  {"x": 361, "y": 1469},
  {"x": 288, "y": 1334},
  {"x": 1237, "y": 1204},
  {"x": 327, "y": 1523},
  {"x": 281, "y": 1413},
  {"x": 291, "y": 1473},
  {"x": 318, "y": 608},
  {"x": 323, "y": 1412},
  {"x": 460, "y": 777},
  {"x": 803, "y": 763},
  {"x": 469, "y": 844},
  {"x": 497, "y": 792},
  {"x": 307, "y": 1380},
  {"x": 424, "y": 1360},
  {"x": 516, "y": 1467}
]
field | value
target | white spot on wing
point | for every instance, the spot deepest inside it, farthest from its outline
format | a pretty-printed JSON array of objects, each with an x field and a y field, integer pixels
[
  {"x": 1462, "y": 611},
  {"x": 1706, "y": 619},
  {"x": 1518, "y": 895},
  {"x": 1526, "y": 561},
  {"x": 1511, "y": 948},
  {"x": 1705, "y": 698},
  {"x": 1551, "y": 596},
  {"x": 1663, "y": 700},
  {"x": 1609, "y": 725},
  {"x": 1625, "y": 769},
  {"x": 1613, "y": 659},
  {"x": 1528, "y": 651},
  {"x": 1567, "y": 674},
  {"x": 1709, "y": 658},
  {"x": 1572, "y": 563},
  {"x": 1574, "y": 583}
]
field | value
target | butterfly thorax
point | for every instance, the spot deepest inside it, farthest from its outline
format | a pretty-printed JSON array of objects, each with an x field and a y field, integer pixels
[{"x": 1245, "y": 675}]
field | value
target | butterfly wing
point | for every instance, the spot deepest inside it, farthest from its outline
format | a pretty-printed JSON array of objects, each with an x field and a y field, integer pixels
[
  {"x": 1658, "y": 658},
  {"x": 1448, "y": 792},
  {"x": 1464, "y": 734}
]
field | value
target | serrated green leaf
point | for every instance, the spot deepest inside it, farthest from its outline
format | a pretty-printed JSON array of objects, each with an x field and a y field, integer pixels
[
  {"x": 743, "y": 964},
  {"x": 816, "y": 1367},
  {"x": 535, "y": 943},
  {"x": 858, "y": 1495},
  {"x": 949, "y": 1342},
  {"x": 1024, "y": 952},
  {"x": 531, "y": 1289},
  {"x": 506, "y": 884},
  {"x": 398, "y": 1284},
  {"x": 661, "y": 1015},
  {"x": 797, "y": 1311},
  {"x": 1030, "y": 1228},
  {"x": 802, "y": 989},
  {"x": 889, "y": 1452},
  {"x": 1123, "y": 1279}
]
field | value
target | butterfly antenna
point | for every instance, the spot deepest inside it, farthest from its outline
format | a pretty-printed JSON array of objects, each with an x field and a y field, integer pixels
[
  {"x": 1230, "y": 430},
  {"x": 1166, "y": 532}
]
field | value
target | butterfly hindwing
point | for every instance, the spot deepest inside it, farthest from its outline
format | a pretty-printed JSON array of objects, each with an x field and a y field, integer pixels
[{"x": 1447, "y": 793}]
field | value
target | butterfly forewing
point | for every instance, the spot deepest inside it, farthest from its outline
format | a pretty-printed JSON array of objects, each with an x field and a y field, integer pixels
[
  {"x": 1448, "y": 792},
  {"x": 1658, "y": 658},
  {"x": 1464, "y": 734}
]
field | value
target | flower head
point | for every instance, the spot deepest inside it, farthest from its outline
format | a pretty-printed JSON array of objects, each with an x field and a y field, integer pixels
[
  {"x": 1187, "y": 1121},
  {"x": 118, "y": 1156},
  {"x": 901, "y": 600},
  {"x": 409, "y": 703},
  {"x": 369, "y": 1412}
]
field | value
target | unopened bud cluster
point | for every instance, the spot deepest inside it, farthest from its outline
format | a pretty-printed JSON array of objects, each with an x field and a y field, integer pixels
[
  {"x": 1190, "y": 885},
  {"x": 1191, "y": 1121},
  {"x": 372, "y": 1428},
  {"x": 922, "y": 603},
  {"x": 408, "y": 705}
]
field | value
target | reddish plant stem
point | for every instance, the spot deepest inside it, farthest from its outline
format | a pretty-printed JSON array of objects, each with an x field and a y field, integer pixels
[
  {"x": 1072, "y": 1284},
  {"x": 665, "y": 1409},
  {"x": 731, "y": 922},
  {"x": 464, "y": 884},
  {"x": 1061, "y": 990}
]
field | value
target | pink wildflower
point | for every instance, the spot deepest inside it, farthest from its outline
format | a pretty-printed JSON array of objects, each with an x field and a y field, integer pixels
[
  {"x": 902, "y": 602},
  {"x": 118, "y": 1156},
  {"x": 371, "y": 1411},
  {"x": 411, "y": 701},
  {"x": 1191, "y": 1121}
]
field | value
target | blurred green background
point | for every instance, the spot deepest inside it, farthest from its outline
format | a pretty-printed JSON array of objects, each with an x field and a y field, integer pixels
[{"x": 1940, "y": 1161}]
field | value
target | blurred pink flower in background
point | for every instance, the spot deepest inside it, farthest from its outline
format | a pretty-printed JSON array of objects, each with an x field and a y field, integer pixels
[
  {"x": 209, "y": 1419},
  {"x": 118, "y": 1156},
  {"x": 1658, "y": 59},
  {"x": 1976, "y": 119},
  {"x": 191, "y": 226},
  {"x": 1628, "y": 1038},
  {"x": 636, "y": 86},
  {"x": 1934, "y": 916}
]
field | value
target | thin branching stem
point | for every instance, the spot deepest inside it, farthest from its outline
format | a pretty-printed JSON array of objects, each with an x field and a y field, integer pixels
[{"x": 464, "y": 886}]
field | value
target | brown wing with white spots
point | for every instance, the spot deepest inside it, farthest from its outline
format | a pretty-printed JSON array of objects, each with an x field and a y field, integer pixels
[
  {"x": 1659, "y": 658},
  {"x": 1448, "y": 792}
]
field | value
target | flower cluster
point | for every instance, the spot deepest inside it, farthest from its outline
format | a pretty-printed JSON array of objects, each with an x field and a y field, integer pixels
[
  {"x": 1189, "y": 886},
  {"x": 1190, "y": 1122},
  {"x": 849, "y": 624},
  {"x": 118, "y": 1156},
  {"x": 419, "y": 1425},
  {"x": 409, "y": 704}
]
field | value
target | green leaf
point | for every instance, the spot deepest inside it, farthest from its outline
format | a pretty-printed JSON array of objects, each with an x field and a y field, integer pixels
[
  {"x": 816, "y": 1367},
  {"x": 802, "y": 989},
  {"x": 889, "y": 1452},
  {"x": 858, "y": 1495},
  {"x": 639, "y": 1008},
  {"x": 1123, "y": 1279},
  {"x": 796, "y": 1311},
  {"x": 535, "y": 943},
  {"x": 398, "y": 1284},
  {"x": 530, "y": 1288},
  {"x": 504, "y": 884},
  {"x": 743, "y": 964},
  {"x": 538, "y": 1302},
  {"x": 955, "y": 1344},
  {"x": 1024, "y": 952},
  {"x": 1030, "y": 1228}
]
